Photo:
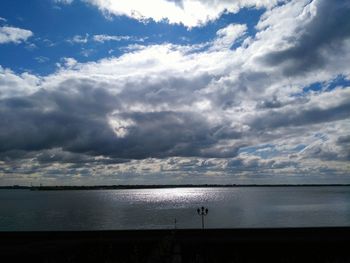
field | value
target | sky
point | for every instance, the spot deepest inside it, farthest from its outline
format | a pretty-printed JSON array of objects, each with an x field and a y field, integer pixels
[{"x": 174, "y": 92}]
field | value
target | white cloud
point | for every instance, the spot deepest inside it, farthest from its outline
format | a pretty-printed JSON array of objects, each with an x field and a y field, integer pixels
[
  {"x": 228, "y": 35},
  {"x": 190, "y": 13},
  {"x": 31, "y": 46},
  {"x": 86, "y": 52},
  {"x": 65, "y": 2},
  {"x": 104, "y": 38},
  {"x": 15, "y": 35},
  {"x": 101, "y": 38},
  {"x": 79, "y": 39},
  {"x": 42, "y": 59},
  {"x": 67, "y": 63},
  {"x": 12, "y": 84}
]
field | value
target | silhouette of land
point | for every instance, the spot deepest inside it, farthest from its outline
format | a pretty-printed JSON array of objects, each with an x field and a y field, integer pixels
[
  {"x": 210, "y": 245},
  {"x": 116, "y": 187}
]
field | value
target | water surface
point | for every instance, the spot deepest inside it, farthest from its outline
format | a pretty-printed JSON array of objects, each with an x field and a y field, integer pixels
[{"x": 238, "y": 207}]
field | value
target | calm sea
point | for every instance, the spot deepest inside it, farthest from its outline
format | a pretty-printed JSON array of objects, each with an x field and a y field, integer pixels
[{"x": 157, "y": 208}]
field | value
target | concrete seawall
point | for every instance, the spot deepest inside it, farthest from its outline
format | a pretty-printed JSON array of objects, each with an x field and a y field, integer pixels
[{"x": 210, "y": 245}]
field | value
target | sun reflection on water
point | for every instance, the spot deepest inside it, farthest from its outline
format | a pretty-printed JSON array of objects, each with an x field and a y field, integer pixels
[{"x": 172, "y": 195}]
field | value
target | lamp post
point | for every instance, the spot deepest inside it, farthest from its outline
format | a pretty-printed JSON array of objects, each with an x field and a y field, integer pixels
[{"x": 202, "y": 212}]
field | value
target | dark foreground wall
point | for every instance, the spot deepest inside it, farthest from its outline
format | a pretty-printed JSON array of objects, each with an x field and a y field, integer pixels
[{"x": 221, "y": 245}]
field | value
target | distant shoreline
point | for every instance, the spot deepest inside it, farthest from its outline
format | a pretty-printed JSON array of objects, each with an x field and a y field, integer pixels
[{"x": 121, "y": 187}]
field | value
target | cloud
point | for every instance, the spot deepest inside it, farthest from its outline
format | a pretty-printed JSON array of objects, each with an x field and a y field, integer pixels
[
  {"x": 223, "y": 110},
  {"x": 42, "y": 59},
  {"x": 79, "y": 39},
  {"x": 105, "y": 38},
  {"x": 67, "y": 63},
  {"x": 228, "y": 35},
  {"x": 154, "y": 102},
  {"x": 190, "y": 13},
  {"x": 12, "y": 84},
  {"x": 15, "y": 35},
  {"x": 65, "y": 2},
  {"x": 316, "y": 41},
  {"x": 325, "y": 107}
]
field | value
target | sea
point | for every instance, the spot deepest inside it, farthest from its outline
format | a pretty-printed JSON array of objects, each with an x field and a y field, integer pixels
[{"x": 170, "y": 208}]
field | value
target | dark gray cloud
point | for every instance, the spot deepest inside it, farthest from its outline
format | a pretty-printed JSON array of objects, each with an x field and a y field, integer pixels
[
  {"x": 323, "y": 37},
  {"x": 273, "y": 119},
  {"x": 343, "y": 140},
  {"x": 270, "y": 103},
  {"x": 74, "y": 117},
  {"x": 174, "y": 91},
  {"x": 59, "y": 156},
  {"x": 344, "y": 143},
  {"x": 49, "y": 119}
]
